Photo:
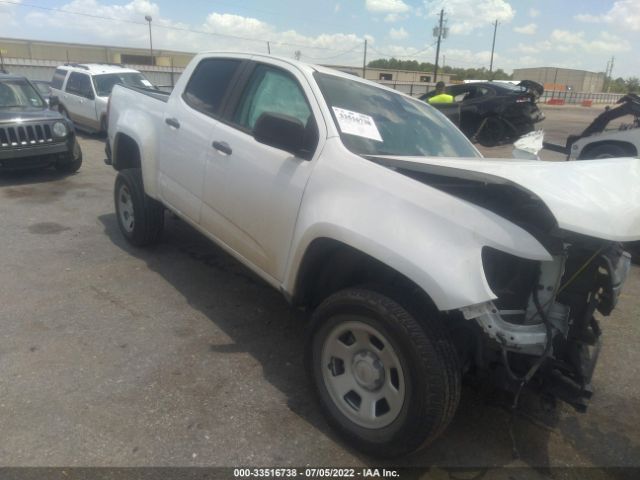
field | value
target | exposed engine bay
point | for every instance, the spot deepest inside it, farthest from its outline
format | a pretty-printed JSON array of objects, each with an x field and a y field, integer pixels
[{"x": 543, "y": 322}]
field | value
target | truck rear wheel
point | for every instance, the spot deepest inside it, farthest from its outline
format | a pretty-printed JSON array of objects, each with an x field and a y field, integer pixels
[
  {"x": 387, "y": 382},
  {"x": 140, "y": 218}
]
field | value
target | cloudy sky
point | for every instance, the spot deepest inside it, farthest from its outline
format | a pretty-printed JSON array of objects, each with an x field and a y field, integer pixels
[{"x": 568, "y": 33}]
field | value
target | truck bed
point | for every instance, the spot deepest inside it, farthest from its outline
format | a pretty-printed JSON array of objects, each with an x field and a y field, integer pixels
[{"x": 150, "y": 92}]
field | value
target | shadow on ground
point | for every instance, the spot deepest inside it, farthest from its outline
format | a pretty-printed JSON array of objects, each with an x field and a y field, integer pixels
[{"x": 479, "y": 435}]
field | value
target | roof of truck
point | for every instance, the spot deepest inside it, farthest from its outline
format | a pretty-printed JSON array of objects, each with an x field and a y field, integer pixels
[{"x": 96, "y": 68}]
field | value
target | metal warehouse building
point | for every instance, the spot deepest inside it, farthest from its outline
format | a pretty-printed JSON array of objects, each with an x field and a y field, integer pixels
[{"x": 554, "y": 78}]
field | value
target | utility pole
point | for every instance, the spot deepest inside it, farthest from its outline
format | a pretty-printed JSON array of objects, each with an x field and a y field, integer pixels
[
  {"x": 438, "y": 31},
  {"x": 364, "y": 60},
  {"x": 493, "y": 47},
  {"x": 148, "y": 19},
  {"x": 610, "y": 73},
  {"x": 268, "y": 48}
]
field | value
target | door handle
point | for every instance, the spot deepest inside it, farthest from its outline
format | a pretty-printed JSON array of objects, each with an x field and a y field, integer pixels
[
  {"x": 222, "y": 147},
  {"x": 172, "y": 122}
]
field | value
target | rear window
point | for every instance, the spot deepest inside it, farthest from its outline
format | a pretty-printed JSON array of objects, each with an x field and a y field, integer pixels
[
  {"x": 58, "y": 78},
  {"x": 209, "y": 83}
]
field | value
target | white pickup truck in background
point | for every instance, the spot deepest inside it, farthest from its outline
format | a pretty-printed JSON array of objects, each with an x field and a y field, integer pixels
[{"x": 420, "y": 260}]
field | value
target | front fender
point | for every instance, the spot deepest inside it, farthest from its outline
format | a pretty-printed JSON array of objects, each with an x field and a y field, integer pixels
[{"x": 429, "y": 236}]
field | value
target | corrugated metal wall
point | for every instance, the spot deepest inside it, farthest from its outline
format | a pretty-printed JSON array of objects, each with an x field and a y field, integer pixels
[{"x": 43, "y": 70}]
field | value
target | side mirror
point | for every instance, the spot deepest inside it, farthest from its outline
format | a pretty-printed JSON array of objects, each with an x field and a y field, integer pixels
[
  {"x": 90, "y": 95},
  {"x": 54, "y": 101},
  {"x": 280, "y": 131}
]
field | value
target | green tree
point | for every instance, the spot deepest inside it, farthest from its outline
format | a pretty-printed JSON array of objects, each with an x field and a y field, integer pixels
[{"x": 456, "y": 73}]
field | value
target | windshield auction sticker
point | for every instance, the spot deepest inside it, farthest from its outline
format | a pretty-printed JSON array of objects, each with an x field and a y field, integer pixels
[{"x": 354, "y": 123}]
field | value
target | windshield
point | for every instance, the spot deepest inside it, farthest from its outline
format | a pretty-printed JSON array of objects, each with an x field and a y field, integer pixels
[
  {"x": 374, "y": 121},
  {"x": 19, "y": 93},
  {"x": 104, "y": 83}
]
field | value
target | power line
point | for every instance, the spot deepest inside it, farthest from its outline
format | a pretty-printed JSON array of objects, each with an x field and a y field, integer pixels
[{"x": 159, "y": 25}]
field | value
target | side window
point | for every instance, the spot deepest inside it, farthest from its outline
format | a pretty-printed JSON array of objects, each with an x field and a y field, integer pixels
[
  {"x": 79, "y": 84},
  {"x": 271, "y": 90},
  {"x": 58, "y": 78},
  {"x": 209, "y": 83},
  {"x": 483, "y": 92}
]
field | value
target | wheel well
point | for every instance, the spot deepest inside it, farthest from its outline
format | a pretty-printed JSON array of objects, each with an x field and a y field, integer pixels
[
  {"x": 329, "y": 266},
  {"x": 126, "y": 153},
  {"x": 628, "y": 147}
]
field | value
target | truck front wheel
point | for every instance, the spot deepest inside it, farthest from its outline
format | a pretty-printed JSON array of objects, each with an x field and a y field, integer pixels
[
  {"x": 388, "y": 380},
  {"x": 140, "y": 218}
]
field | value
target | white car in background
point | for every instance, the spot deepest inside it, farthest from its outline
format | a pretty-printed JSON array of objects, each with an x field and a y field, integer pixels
[{"x": 83, "y": 91}]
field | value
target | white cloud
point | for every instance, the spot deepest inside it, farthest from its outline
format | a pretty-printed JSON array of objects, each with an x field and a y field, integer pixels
[
  {"x": 395, "y": 17},
  {"x": 624, "y": 14},
  {"x": 529, "y": 29},
  {"x": 337, "y": 8},
  {"x": 7, "y": 13},
  {"x": 386, "y": 6},
  {"x": 533, "y": 13},
  {"x": 398, "y": 34},
  {"x": 465, "y": 16},
  {"x": 171, "y": 35},
  {"x": 566, "y": 41}
]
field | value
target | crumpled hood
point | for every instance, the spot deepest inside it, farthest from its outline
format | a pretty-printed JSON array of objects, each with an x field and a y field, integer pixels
[{"x": 598, "y": 198}]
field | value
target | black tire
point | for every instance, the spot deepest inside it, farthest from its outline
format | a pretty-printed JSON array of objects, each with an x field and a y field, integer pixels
[
  {"x": 428, "y": 362},
  {"x": 140, "y": 218},
  {"x": 492, "y": 133},
  {"x": 73, "y": 163},
  {"x": 605, "y": 150}
]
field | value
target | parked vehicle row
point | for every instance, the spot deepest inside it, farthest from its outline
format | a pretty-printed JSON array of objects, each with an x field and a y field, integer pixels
[{"x": 420, "y": 260}]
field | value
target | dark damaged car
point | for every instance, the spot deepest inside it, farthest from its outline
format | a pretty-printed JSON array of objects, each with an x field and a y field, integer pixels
[
  {"x": 32, "y": 135},
  {"x": 491, "y": 112}
]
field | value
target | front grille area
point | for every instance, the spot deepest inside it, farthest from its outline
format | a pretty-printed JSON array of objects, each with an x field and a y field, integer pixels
[{"x": 25, "y": 134}]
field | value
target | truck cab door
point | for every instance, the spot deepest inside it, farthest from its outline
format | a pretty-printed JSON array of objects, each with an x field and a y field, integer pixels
[
  {"x": 253, "y": 191},
  {"x": 187, "y": 129}
]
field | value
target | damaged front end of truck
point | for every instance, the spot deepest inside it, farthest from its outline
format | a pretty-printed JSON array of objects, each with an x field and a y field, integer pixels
[{"x": 543, "y": 328}]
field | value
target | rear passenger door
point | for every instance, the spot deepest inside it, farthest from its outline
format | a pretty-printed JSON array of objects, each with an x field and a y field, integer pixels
[
  {"x": 189, "y": 123},
  {"x": 253, "y": 191},
  {"x": 79, "y": 100}
]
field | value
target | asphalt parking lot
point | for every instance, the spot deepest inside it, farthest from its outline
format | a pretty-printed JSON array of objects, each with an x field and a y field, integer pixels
[{"x": 178, "y": 356}]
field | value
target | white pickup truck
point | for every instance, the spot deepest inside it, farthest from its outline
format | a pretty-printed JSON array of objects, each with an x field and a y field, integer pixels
[{"x": 421, "y": 260}]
